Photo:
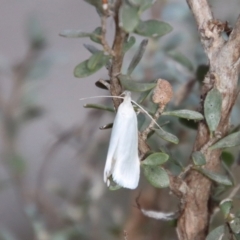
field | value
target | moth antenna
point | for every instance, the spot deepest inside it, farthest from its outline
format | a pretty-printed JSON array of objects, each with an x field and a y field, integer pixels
[
  {"x": 146, "y": 113},
  {"x": 81, "y": 99}
]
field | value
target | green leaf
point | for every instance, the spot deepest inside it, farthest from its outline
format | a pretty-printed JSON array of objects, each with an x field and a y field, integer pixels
[
  {"x": 227, "y": 158},
  {"x": 188, "y": 114},
  {"x": 143, "y": 96},
  {"x": 155, "y": 159},
  {"x": 166, "y": 136},
  {"x": 231, "y": 140},
  {"x": 133, "y": 86},
  {"x": 82, "y": 70},
  {"x": 212, "y": 109},
  {"x": 92, "y": 49},
  {"x": 95, "y": 60},
  {"x": 182, "y": 59},
  {"x": 97, "y": 4},
  {"x": 137, "y": 57},
  {"x": 129, "y": 17},
  {"x": 216, "y": 234},
  {"x": 198, "y": 158},
  {"x": 107, "y": 126},
  {"x": 201, "y": 72},
  {"x": 96, "y": 35},
  {"x": 73, "y": 33},
  {"x": 235, "y": 225},
  {"x": 156, "y": 176},
  {"x": 129, "y": 43},
  {"x": 153, "y": 28},
  {"x": 216, "y": 177},
  {"x": 226, "y": 206},
  {"x": 189, "y": 123},
  {"x": 101, "y": 107},
  {"x": 142, "y": 4}
]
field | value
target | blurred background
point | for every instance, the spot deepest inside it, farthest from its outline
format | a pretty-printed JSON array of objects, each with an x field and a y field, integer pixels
[{"x": 52, "y": 153}]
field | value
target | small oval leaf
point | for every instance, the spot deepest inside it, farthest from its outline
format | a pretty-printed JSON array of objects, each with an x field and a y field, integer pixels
[
  {"x": 153, "y": 28},
  {"x": 156, "y": 176},
  {"x": 226, "y": 206},
  {"x": 100, "y": 107},
  {"x": 129, "y": 17},
  {"x": 73, "y": 33},
  {"x": 198, "y": 158},
  {"x": 227, "y": 158},
  {"x": 133, "y": 86},
  {"x": 216, "y": 234},
  {"x": 216, "y": 177},
  {"x": 94, "y": 60},
  {"x": 96, "y": 35},
  {"x": 137, "y": 57},
  {"x": 155, "y": 159},
  {"x": 231, "y": 140},
  {"x": 235, "y": 225},
  {"x": 182, "y": 59},
  {"x": 82, "y": 70},
  {"x": 129, "y": 43},
  {"x": 187, "y": 114},
  {"x": 166, "y": 136},
  {"x": 212, "y": 109},
  {"x": 92, "y": 49}
]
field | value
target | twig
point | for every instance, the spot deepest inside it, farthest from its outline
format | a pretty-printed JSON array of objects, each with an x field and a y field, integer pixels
[
  {"x": 158, "y": 113},
  {"x": 104, "y": 42}
]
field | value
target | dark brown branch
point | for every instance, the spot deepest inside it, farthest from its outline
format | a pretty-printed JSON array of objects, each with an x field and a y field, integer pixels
[{"x": 223, "y": 74}]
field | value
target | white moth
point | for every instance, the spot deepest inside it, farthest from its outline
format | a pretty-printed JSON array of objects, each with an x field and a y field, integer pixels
[{"x": 122, "y": 159}]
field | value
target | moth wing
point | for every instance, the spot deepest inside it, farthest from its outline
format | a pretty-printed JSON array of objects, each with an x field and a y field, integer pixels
[
  {"x": 115, "y": 135},
  {"x": 126, "y": 170}
]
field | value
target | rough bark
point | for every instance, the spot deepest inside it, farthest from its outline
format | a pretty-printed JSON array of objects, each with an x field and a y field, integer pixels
[{"x": 223, "y": 74}]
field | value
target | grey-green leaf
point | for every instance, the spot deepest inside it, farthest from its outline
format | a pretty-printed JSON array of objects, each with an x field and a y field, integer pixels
[
  {"x": 138, "y": 56},
  {"x": 166, "y": 136},
  {"x": 227, "y": 158},
  {"x": 96, "y": 35},
  {"x": 133, "y": 86},
  {"x": 73, "y": 33},
  {"x": 129, "y": 17},
  {"x": 100, "y": 107},
  {"x": 231, "y": 140},
  {"x": 95, "y": 60},
  {"x": 153, "y": 28},
  {"x": 212, "y": 109},
  {"x": 216, "y": 177},
  {"x": 226, "y": 206},
  {"x": 182, "y": 59},
  {"x": 97, "y": 4},
  {"x": 142, "y": 4},
  {"x": 82, "y": 69},
  {"x": 235, "y": 225},
  {"x": 92, "y": 49},
  {"x": 143, "y": 96},
  {"x": 198, "y": 158},
  {"x": 156, "y": 176},
  {"x": 155, "y": 159},
  {"x": 187, "y": 114},
  {"x": 129, "y": 43},
  {"x": 216, "y": 234}
]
